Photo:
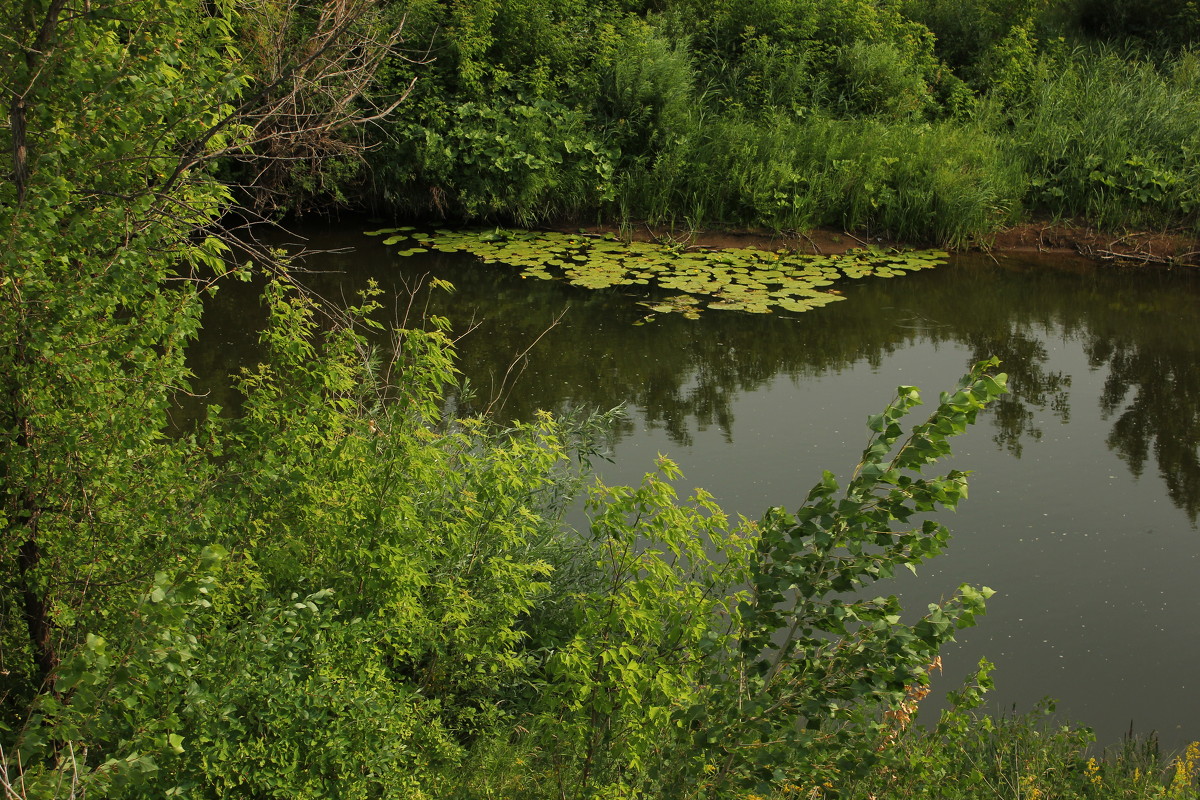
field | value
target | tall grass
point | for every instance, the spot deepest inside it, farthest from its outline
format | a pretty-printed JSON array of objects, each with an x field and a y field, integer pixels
[
  {"x": 1031, "y": 756},
  {"x": 792, "y": 114},
  {"x": 1099, "y": 135},
  {"x": 939, "y": 182},
  {"x": 1111, "y": 138}
]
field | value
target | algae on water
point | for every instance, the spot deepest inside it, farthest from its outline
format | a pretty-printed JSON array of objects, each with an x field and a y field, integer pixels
[{"x": 743, "y": 279}]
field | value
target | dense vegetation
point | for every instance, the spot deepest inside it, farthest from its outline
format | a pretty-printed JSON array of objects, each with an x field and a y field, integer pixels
[
  {"x": 920, "y": 119},
  {"x": 342, "y": 593}
]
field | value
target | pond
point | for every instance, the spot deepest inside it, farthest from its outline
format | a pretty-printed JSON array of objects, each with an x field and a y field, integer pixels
[{"x": 1085, "y": 489}]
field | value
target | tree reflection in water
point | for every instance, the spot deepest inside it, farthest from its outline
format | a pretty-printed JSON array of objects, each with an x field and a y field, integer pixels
[{"x": 682, "y": 376}]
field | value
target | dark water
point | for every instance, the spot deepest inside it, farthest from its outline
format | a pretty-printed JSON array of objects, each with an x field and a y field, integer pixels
[{"x": 1086, "y": 485}]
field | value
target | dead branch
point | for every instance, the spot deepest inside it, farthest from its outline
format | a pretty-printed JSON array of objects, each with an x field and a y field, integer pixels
[{"x": 317, "y": 65}]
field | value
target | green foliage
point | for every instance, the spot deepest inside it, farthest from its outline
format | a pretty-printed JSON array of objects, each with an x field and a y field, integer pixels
[
  {"x": 1110, "y": 139},
  {"x": 1165, "y": 23},
  {"x": 525, "y": 159},
  {"x": 716, "y": 659},
  {"x": 504, "y": 123},
  {"x": 878, "y": 79},
  {"x": 617, "y": 692},
  {"x": 636, "y": 117},
  {"x": 104, "y": 243},
  {"x": 651, "y": 92},
  {"x": 370, "y": 619},
  {"x": 967, "y": 755},
  {"x": 1008, "y": 68},
  {"x": 967, "y": 33},
  {"x": 417, "y": 532},
  {"x": 207, "y": 701},
  {"x": 691, "y": 114},
  {"x": 943, "y": 182}
]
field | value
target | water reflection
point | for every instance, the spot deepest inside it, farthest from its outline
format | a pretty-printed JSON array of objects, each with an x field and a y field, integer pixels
[
  {"x": 1094, "y": 562},
  {"x": 683, "y": 375}
]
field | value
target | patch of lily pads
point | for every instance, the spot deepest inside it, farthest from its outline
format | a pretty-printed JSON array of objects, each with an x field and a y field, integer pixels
[{"x": 743, "y": 279}]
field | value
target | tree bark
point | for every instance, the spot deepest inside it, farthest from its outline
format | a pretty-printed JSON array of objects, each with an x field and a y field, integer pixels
[
  {"x": 35, "y": 54},
  {"x": 25, "y": 509}
]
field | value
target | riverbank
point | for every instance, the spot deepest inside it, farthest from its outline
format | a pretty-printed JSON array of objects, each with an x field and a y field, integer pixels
[{"x": 1058, "y": 238}]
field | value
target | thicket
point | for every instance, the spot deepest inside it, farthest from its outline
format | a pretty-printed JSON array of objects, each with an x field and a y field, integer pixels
[
  {"x": 342, "y": 592},
  {"x": 919, "y": 119}
]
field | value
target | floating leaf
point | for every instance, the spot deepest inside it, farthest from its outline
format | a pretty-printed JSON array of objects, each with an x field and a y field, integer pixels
[{"x": 738, "y": 279}]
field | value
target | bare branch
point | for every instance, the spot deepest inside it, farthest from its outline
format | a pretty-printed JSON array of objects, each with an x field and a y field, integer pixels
[{"x": 314, "y": 75}]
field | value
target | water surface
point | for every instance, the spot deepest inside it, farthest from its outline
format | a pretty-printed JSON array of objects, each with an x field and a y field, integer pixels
[{"x": 1086, "y": 484}]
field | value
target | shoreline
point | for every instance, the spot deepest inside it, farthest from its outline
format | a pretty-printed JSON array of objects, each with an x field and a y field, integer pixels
[{"x": 1140, "y": 248}]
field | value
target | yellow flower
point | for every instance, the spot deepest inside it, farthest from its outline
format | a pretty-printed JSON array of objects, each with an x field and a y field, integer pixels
[{"x": 1185, "y": 770}]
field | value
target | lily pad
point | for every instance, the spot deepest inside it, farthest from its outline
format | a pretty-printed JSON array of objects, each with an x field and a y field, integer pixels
[
  {"x": 741, "y": 279},
  {"x": 383, "y": 231}
]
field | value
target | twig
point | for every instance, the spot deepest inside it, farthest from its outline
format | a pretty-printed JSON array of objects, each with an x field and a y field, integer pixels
[
  {"x": 811, "y": 243},
  {"x": 1145, "y": 258},
  {"x": 500, "y": 396},
  {"x": 855, "y": 238}
]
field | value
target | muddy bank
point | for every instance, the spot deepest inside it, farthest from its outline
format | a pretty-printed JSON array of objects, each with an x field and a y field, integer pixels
[
  {"x": 1059, "y": 238},
  {"x": 1144, "y": 247}
]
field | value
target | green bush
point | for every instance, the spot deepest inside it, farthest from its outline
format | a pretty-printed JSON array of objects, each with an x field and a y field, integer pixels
[
  {"x": 512, "y": 158},
  {"x": 1161, "y": 23},
  {"x": 647, "y": 99},
  {"x": 967, "y": 31},
  {"x": 877, "y": 79}
]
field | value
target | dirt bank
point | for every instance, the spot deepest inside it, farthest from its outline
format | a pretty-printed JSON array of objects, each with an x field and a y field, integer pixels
[
  {"x": 1144, "y": 247},
  {"x": 1060, "y": 238}
]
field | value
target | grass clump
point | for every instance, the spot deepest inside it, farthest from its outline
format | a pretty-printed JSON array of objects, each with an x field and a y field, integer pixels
[
  {"x": 938, "y": 182},
  {"x": 1108, "y": 137}
]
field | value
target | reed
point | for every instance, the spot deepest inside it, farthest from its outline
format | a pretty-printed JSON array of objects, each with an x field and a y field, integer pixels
[
  {"x": 943, "y": 182},
  {"x": 1110, "y": 137}
]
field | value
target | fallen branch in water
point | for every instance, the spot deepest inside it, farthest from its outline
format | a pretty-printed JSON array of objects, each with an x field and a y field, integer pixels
[{"x": 1142, "y": 258}]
